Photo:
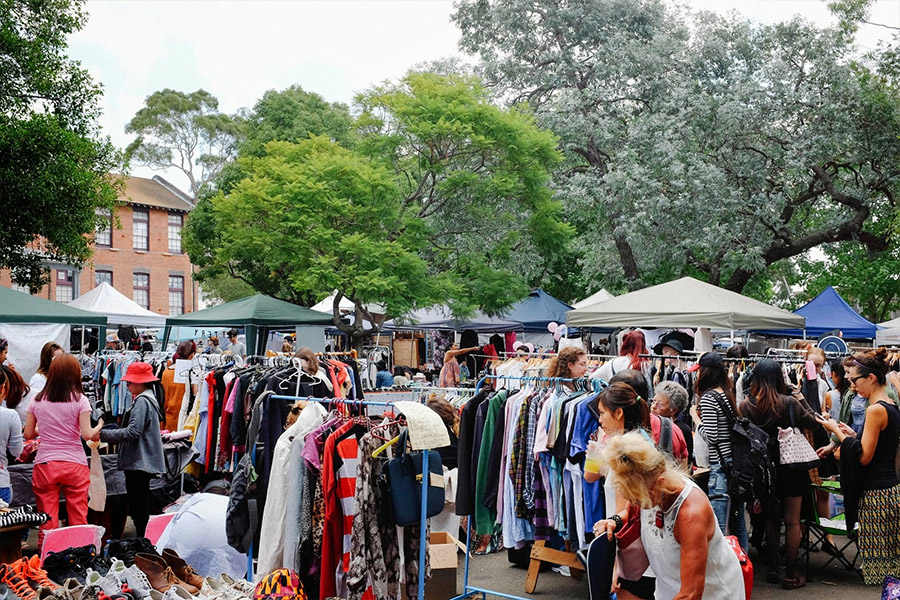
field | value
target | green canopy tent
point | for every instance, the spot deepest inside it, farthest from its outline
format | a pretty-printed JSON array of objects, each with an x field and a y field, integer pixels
[
  {"x": 257, "y": 314},
  {"x": 30, "y": 321}
]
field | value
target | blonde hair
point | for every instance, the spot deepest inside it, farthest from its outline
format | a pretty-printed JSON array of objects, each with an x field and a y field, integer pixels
[
  {"x": 816, "y": 352},
  {"x": 637, "y": 465},
  {"x": 294, "y": 413},
  {"x": 312, "y": 362},
  {"x": 559, "y": 365}
]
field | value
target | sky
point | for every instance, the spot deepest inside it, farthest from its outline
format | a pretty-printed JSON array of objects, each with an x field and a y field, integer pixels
[{"x": 237, "y": 50}]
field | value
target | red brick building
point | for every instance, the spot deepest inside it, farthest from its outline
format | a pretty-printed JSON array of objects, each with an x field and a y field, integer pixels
[{"x": 141, "y": 255}]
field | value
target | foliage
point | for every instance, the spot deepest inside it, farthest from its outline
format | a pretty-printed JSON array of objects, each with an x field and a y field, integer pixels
[
  {"x": 54, "y": 166},
  {"x": 441, "y": 197},
  {"x": 696, "y": 143},
  {"x": 186, "y": 132}
]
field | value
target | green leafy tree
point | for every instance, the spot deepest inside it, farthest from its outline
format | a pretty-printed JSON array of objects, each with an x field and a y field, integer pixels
[
  {"x": 185, "y": 132},
  {"x": 54, "y": 166},
  {"x": 696, "y": 143},
  {"x": 457, "y": 196}
]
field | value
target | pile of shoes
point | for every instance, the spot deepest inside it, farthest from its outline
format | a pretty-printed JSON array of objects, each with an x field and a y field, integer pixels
[
  {"x": 125, "y": 549},
  {"x": 82, "y": 574},
  {"x": 23, "y": 515}
]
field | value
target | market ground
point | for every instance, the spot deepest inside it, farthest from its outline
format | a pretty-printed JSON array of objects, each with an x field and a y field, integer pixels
[{"x": 494, "y": 572}]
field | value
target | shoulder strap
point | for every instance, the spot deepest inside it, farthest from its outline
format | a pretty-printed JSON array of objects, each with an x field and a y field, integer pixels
[
  {"x": 722, "y": 399},
  {"x": 791, "y": 411}
]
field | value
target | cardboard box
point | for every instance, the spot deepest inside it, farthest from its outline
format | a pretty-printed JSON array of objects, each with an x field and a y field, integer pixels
[{"x": 443, "y": 551}]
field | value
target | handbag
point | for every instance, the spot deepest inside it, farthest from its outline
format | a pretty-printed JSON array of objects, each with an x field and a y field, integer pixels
[
  {"x": 403, "y": 477},
  {"x": 633, "y": 561},
  {"x": 744, "y": 561},
  {"x": 793, "y": 448}
]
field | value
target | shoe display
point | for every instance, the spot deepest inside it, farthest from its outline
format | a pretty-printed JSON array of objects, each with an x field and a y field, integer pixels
[
  {"x": 182, "y": 570},
  {"x": 16, "y": 581},
  {"x": 71, "y": 589},
  {"x": 137, "y": 582},
  {"x": 107, "y": 585},
  {"x": 125, "y": 549},
  {"x": 37, "y": 576},
  {"x": 243, "y": 586},
  {"x": 116, "y": 570},
  {"x": 176, "y": 592},
  {"x": 44, "y": 593}
]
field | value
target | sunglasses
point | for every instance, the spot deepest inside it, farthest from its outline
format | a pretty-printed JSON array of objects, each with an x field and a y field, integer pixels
[{"x": 854, "y": 379}]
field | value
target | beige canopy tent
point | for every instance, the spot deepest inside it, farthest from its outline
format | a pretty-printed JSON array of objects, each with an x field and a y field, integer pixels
[{"x": 685, "y": 302}]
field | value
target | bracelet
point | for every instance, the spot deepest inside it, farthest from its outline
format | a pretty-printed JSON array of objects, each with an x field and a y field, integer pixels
[{"x": 617, "y": 520}]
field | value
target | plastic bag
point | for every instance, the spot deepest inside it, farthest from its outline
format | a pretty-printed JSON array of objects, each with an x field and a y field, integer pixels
[{"x": 97, "y": 490}]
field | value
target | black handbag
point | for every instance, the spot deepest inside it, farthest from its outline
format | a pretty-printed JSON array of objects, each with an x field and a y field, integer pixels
[{"x": 403, "y": 477}]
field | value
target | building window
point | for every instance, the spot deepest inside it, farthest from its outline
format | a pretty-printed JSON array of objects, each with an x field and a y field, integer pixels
[
  {"x": 176, "y": 295},
  {"x": 65, "y": 286},
  {"x": 176, "y": 222},
  {"x": 142, "y": 289},
  {"x": 102, "y": 276},
  {"x": 140, "y": 229},
  {"x": 21, "y": 288},
  {"x": 104, "y": 232}
]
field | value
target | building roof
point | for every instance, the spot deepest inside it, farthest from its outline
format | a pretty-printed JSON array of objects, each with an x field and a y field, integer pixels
[{"x": 156, "y": 193}]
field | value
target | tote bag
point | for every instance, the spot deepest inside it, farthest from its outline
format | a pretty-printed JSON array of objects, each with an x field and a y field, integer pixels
[{"x": 793, "y": 448}]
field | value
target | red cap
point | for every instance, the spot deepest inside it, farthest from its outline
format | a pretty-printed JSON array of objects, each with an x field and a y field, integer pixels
[{"x": 139, "y": 372}]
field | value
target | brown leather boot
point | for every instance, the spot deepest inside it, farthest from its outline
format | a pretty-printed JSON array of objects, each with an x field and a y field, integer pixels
[
  {"x": 159, "y": 574},
  {"x": 182, "y": 570}
]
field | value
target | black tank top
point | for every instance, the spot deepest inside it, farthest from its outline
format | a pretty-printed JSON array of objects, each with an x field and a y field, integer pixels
[{"x": 880, "y": 473}]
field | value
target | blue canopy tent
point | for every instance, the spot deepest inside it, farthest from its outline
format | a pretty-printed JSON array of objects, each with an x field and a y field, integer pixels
[
  {"x": 827, "y": 312},
  {"x": 536, "y": 311}
]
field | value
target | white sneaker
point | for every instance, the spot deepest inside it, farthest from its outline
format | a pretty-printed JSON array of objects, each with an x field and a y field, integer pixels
[
  {"x": 137, "y": 582},
  {"x": 562, "y": 570},
  {"x": 117, "y": 571},
  {"x": 216, "y": 590},
  {"x": 109, "y": 585},
  {"x": 244, "y": 587},
  {"x": 154, "y": 595},
  {"x": 176, "y": 592}
]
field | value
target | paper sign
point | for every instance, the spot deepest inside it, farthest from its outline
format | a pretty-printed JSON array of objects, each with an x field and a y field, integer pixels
[
  {"x": 426, "y": 429},
  {"x": 181, "y": 370}
]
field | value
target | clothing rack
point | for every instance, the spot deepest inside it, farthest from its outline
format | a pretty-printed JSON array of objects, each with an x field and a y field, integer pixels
[{"x": 425, "y": 480}]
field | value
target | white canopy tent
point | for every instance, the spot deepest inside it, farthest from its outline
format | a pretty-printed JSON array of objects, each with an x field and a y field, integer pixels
[
  {"x": 119, "y": 308},
  {"x": 890, "y": 335},
  {"x": 345, "y": 305},
  {"x": 595, "y": 298},
  {"x": 685, "y": 302}
]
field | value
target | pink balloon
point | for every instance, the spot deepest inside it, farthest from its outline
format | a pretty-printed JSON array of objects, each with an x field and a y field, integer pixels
[
  {"x": 552, "y": 327},
  {"x": 516, "y": 345},
  {"x": 557, "y": 335}
]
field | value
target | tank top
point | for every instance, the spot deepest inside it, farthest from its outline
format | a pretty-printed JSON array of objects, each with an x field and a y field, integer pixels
[
  {"x": 879, "y": 474},
  {"x": 724, "y": 580},
  {"x": 858, "y": 407}
]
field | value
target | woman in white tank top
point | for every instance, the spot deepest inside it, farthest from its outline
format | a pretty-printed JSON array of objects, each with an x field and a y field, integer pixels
[{"x": 683, "y": 542}]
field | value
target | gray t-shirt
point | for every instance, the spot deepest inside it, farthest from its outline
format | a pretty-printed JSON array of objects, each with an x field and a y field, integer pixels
[
  {"x": 238, "y": 348},
  {"x": 10, "y": 441}
]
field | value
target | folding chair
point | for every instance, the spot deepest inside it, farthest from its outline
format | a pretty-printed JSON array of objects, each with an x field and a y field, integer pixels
[{"x": 818, "y": 527}]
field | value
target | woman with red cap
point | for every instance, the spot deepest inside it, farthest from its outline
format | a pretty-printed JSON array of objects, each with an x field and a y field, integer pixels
[{"x": 140, "y": 443}]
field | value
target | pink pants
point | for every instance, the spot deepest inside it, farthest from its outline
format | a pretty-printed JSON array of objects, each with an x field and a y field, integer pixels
[{"x": 51, "y": 478}]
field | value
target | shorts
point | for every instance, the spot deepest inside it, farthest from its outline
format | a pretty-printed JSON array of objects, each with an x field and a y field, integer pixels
[{"x": 644, "y": 588}]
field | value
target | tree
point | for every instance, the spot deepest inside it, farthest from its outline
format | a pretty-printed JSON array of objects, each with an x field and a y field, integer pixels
[
  {"x": 55, "y": 168},
  {"x": 186, "y": 132},
  {"x": 438, "y": 201},
  {"x": 696, "y": 143}
]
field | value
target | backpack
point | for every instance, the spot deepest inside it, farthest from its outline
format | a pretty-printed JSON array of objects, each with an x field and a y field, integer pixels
[
  {"x": 752, "y": 471},
  {"x": 242, "y": 514}
]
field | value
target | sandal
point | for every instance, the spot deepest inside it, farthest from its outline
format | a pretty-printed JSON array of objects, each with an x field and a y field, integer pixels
[{"x": 792, "y": 584}]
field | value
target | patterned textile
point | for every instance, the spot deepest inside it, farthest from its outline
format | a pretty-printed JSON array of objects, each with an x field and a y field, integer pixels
[
  {"x": 879, "y": 534},
  {"x": 280, "y": 584}
]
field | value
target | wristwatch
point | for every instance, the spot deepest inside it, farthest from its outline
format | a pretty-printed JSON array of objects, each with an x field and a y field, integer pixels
[{"x": 617, "y": 520}]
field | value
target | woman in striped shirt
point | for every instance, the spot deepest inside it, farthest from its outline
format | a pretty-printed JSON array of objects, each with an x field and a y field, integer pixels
[{"x": 713, "y": 423}]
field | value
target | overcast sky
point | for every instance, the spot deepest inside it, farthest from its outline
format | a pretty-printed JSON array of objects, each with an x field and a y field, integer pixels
[{"x": 237, "y": 50}]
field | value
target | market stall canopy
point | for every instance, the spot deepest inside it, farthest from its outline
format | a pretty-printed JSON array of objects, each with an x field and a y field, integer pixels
[
  {"x": 440, "y": 318},
  {"x": 889, "y": 334},
  {"x": 536, "y": 311},
  {"x": 345, "y": 305},
  {"x": 594, "y": 298},
  {"x": 827, "y": 312},
  {"x": 118, "y": 308},
  {"x": 18, "y": 307},
  {"x": 685, "y": 302},
  {"x": 259, "y": 310}
]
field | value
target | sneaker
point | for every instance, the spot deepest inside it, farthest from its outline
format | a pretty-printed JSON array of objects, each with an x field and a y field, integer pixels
[
  {"x": 107, "y": 585},
  {"x": 44, "y": 593},
  {"x": 137, "y": 582},
  {"x": 36, "y": 575},
  {"x": 244, "y": 587},
  {"x": 16, "y": 581},
  {"x": 176, "y": 592},
  {"x": 117, "y": 570},
  {"x": 562, "y": 570},
  {"x": 216, "y": 590},
  {"x": 71, "y": 590}
]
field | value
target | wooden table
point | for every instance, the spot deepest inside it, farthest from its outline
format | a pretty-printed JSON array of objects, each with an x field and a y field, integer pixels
[{"x": 11, "y": 542}]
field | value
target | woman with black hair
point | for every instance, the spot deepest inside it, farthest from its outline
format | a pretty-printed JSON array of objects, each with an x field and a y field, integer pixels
[
  {"x": 770, "y": 407},
  {"x": 713, "y": 423},
  {"x": 874, "y": 449}
]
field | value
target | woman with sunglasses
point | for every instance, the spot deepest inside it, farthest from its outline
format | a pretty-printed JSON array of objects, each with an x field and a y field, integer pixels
[{"x": 879, "y": 506}]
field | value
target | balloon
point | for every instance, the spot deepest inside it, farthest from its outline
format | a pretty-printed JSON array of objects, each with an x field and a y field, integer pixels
[
  {"x": 557, "y": 335},
  {"x": 516, "y": 345},
  {"x": 529, "y": 346},
  {"x": 552, "y": 327}
]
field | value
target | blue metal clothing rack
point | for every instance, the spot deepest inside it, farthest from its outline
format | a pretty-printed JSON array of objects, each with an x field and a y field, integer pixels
[
  {"x": 425, "y": 478},
  {"x": 469, "y": 590}
]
